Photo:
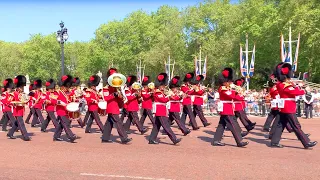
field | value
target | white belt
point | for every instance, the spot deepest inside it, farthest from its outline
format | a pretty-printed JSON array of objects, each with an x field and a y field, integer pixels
[
  {"x": 237, "y": 101},
  {"x": 288, "y": 99},
  {"x": 226, "y": 101},
  {"x": 158, "y": 103},
  {"x": 175, "y": 101}
]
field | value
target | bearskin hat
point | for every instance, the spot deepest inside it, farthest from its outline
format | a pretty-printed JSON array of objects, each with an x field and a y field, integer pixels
[
  {"x": 197, "y": 79},
  {"x": 50, "y": 84},
  {"x": 8, "y": 83},
  {"x": 239, "y": 82},
  {"x": 225, "y": 76},
  {"x": 130, "y": 80},
  {"x": 37, "y": 83},
  {"x": 161, "y": 80},
  {"x": 94, "y": 80},
  {"x": 111, "y": 71},
  {"x": 76, "y": 81},
  {"x": 20, "y": 81},
  {"x": 146, "y": 80},
  {"x": 188, "y": 77},
  {"x": 66, "y": 81},
  {"x": 283, "y": 71},
  {"x": 175, "y": 82}
]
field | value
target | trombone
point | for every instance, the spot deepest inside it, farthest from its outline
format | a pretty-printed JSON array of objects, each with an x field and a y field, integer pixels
[{"x": 118, "y": 81}]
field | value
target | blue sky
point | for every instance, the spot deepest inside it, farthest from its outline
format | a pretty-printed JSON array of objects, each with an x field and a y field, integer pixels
[{"x": 21, "y": 18}]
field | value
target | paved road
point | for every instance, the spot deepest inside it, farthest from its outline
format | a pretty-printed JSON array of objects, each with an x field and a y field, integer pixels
[{"x": 193, "y": 159}]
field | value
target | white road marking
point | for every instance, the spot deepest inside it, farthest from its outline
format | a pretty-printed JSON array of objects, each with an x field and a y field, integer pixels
[{"x": 122, "y": 176}]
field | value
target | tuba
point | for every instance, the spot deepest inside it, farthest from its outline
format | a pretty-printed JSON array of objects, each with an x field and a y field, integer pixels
[{"x": 118, "y": 81}]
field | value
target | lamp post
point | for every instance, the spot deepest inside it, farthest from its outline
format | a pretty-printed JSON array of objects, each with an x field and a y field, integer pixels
[{"x": 62, "y": 36}]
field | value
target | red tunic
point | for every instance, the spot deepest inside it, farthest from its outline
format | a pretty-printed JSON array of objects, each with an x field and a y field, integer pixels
[
  {"x": 238, "y": 103},
  {"x": 160, "y": 101},
  {"x": 52, "y": 98},
  {"x": 187, "y": 100},
  {"x": 273, "y": 94},
  {"x": 112, "y": 101},
  {"x": 17, "y": 110},
  {"x": 63, "y": 96},
  {"x": 175, "y": 103},
  {"x": 198, "y": 97},
  {"x": 30, "y": 103},
  {"x": 288, "y": 93},
  {"x": 146, "y": 99},
  {"x": 38, "y": 98},
  {"x": 132, "y": 104},
  {"x": 6, "y": 101},
  {"x": 226, "y": 97},
  {"x": 92, "y": 99}
]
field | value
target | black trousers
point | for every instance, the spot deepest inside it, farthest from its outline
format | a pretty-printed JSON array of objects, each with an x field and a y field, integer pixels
[
  {"x": 145, "y": 113},
  {"x": 124, "y": 114},
  {"x": 187, "y": 110},
  {"x": 197, "y": 110},
  {"x": 164, "y": 122},
  {"x": 37, "y": 116},
  {"x": 227, "y": 120},
  {"x": 133, "y": 118},
  {"x": 86, "y": 118},
  {"x": 271, "y": 116},
  {"x": 113, "y": 120},
  {"x": 299, "y": 108},
  {"x": 50, "y": 117},
  {"x": 64, "y": 125},
  {"x": 18, "y": 123},
  {"x": 7, "y": 116},
  {"x": 244, "y": 119},
  {"x": 293, "y": 121},
  {"x": 93, "y": 115},
  {"x": 29, "y": 115},
  {"x": 175, "y": 116},
  {"x": 308, "y": 109}
]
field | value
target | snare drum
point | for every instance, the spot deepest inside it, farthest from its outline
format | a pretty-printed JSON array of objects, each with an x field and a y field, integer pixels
[
  {"x": 74, "y": 115},
  {"x": 73, "y": 107}
]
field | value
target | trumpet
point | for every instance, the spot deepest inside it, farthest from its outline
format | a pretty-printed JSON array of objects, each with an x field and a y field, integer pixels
[{"x": 118, "y": 81}]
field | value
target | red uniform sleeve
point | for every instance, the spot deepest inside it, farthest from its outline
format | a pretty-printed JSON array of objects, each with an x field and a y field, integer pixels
[
  {"x": 238, "y": 97},
  {"x": 175, "y": 98},
  {"x": 107, "y": 95},
  {"x": 145, "y": 95},
  {"x": 161, "y": 98},
  {"x": 130, "y": 95},
  {"x": 186, "y": 90},
  {"x": 294, "y": 91}
]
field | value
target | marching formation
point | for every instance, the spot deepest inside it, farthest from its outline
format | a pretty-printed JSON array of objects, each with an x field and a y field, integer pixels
[{"x": 164, "y": 102}]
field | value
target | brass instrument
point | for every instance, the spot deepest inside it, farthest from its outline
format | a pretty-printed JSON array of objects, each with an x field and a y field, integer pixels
[
  {"x": 118, "y": 81},
  {"x": 151, "y": 86},
  {"x": 23, "y": 99},
  {"x": 136, "y": 86},
  {"x": 167, "y": 91}
]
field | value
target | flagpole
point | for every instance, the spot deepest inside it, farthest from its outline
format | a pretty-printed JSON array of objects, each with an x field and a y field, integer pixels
[
  {"x": 200, "y": 61},
  {"x": 174, "y": 62},
  {"x": 290, "y": 46},
  {"x": 247, "y": 64},
  {"x": 169, "y": 68}
]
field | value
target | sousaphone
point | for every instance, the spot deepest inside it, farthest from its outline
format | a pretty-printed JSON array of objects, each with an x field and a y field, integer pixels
[{"x": 118, "y": 81}]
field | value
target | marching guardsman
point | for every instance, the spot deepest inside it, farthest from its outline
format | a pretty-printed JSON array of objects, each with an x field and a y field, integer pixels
[
  {"x": 161, "y": 112},
  {"x": 50, "y": 105},
  {"x": 92, "y": 98},
  {"x": 76, "y": 94},
  {"x": 226, "y": 109},
  {"x": 133, "y": 106},
  {"x": 19, "y": 101},
  {"x": 175, "y": 104},
  {"x": 30, "y": 103},
  {"x": 198, "y": 99},
  {"x": 61, "y": 109},
  {"x": 114, "y": 103},
  {"x": 6, "y": 99},
  {"x": 187, "y": 109},
  {"x": 287, "y": 105},
  {"x": 240, "y": 106},
  {"x": 147, "y": 97},
  {"x": 38, "y": 100}
]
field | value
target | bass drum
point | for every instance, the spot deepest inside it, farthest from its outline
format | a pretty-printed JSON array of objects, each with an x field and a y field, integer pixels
[
  {"x": 74, "y": 115},
  {"x": 73, "y": 107}
]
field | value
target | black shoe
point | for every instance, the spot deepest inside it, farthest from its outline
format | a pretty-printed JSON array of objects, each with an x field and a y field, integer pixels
[
  {"x": 196, "y": 128},
  {"x": 11, "y": 137},
  {"x": 242, "y": 144},
  {"x": 153, "y": 142},
  {"x": 270, "y": 137},
  {"x": 33, "y": 126},
  {"x": 244, "y": 134},
  {"x": 27, "y": 122},
  {"x": 206, "y": 124},
  {"x": 4, "y": 130},
  {"x": 144, "y": 130},
  {"x": 266, "y": 130},
  {"x": 218, "y": 143},
  {"x": 87, "y": 132},
  {"x": 43, "y": 130},
  {"x": 253, "y": 124},
  {"x": 308, "y": 134},
  {"x": 107, "y": 141},
  {"x": 187, "y": 132},
  {"x": 57, "y": 139},
  {"x": 277, "y": 145},
  {"x": 27, "y": 139},
  {"x": 126, "y": 141},
  {"x": 311, "y": 144},
  {"x": 128, "y": 132},
  {"x": 177, "y": 141}
]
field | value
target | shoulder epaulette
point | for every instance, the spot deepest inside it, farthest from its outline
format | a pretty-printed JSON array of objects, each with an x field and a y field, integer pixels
[
  {"x": 286, "y": 84},
  {"x": 224, "y": 88}
]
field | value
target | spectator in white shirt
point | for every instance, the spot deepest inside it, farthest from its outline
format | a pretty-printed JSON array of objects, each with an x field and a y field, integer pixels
[{"x": 308, "y": 100}]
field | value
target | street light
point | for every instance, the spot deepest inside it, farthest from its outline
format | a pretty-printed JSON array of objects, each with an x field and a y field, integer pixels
[{"x": 62, "y": 36}]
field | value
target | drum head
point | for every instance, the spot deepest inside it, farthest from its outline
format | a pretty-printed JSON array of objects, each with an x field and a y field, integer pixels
[
  {"x": 73, "y": 107},
  {"x": 102, "y": 105}
]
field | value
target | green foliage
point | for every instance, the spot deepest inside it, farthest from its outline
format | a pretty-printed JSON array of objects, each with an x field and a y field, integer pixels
[{"x": 217, "y": 26}]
